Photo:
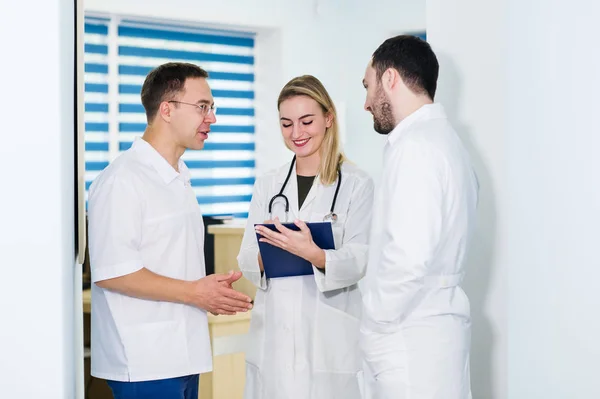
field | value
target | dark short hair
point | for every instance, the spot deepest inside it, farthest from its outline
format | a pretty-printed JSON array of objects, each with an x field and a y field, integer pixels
[
  {"x": 414, "y": 60},
  {"x": 164, "y": 82}
]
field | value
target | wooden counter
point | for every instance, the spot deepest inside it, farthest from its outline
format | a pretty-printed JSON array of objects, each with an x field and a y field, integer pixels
[{"x": 228, "y": 239}]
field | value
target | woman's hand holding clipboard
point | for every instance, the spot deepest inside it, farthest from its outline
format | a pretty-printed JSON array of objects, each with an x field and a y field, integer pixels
[{"x": 296, "y": 239}]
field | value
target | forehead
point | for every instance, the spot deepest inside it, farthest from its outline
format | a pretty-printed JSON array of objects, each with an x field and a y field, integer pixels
[
  {"x": 197, "y": 89},
  {"x": 298, "y": 106}
]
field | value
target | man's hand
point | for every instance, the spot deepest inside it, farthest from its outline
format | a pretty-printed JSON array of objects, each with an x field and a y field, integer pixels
[{"x": 215, "y": 294}]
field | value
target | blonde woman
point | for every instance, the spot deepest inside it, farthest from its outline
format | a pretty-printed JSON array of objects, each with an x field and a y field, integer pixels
[{"x": 303, "y": 339}]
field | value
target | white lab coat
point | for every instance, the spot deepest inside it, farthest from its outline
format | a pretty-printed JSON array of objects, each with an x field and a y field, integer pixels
[
  {"x": 304, "y": 331},
  {"x": 416, "y": 326}
]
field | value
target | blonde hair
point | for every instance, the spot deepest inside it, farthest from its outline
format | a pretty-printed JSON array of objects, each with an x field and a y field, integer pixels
[{"x": 331, "y": 155}]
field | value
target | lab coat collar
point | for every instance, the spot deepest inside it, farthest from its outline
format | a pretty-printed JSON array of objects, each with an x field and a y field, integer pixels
[
  {"x": 151, "y": 157},
  {"x": 427, "y": 111}
]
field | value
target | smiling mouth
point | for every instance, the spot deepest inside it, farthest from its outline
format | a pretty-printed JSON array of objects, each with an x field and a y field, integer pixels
[
  {"x": 300, "y": 143},
  {"x": 204, "y": 133}
]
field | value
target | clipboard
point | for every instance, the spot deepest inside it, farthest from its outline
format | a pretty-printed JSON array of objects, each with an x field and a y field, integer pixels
[{"x": 279, "y": 263}]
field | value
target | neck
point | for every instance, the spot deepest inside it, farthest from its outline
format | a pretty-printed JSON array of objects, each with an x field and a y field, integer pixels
[
  {"x": 162, "y": 143},
  {"x": 308, "y": 166},
  {"x": 410, "y": 107}
]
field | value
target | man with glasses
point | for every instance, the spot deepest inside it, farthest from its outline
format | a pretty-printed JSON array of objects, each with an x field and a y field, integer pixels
[{"x": 149, "y": 293}]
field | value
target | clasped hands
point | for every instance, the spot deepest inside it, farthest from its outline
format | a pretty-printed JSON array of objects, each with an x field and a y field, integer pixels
[
  {"x": 215, "y": 294},
  {"x": 299, "y": 243}
]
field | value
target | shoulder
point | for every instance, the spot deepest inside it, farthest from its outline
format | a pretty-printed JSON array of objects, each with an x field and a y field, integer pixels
[
  {"x": 124, "y": 171},
  {"x": 423, "y": 145},
  {"x": 354, "y": 173},
  {"x": 273, "y": 175},
  {"x": 351, "y": 169}
]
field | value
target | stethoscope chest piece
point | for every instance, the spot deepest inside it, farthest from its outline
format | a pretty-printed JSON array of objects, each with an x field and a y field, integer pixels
[{"x": 330, "y": 217}]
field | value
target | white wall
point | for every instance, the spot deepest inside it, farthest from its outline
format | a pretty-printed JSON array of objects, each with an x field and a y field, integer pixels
[
  {"x": 333, "y": 42},
  {"x": 554, "y": 208},
  {"x": 36, "y": 206},
  {"x": 521, "y": 79},
  {"x": 472, "y": 88}
]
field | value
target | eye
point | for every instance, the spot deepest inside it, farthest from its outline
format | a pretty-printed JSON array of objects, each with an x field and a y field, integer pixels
[
  {"x": 307, "y": 123},
  {"x": 286, "y": 126}
]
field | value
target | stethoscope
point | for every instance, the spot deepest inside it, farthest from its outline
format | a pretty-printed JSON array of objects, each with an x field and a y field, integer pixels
[{"x": 331, "y": 216}]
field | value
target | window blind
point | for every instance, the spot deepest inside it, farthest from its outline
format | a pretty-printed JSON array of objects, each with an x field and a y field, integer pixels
[
  {"x": 224, "y": 171},
  {"x": 95, "y": 97}
]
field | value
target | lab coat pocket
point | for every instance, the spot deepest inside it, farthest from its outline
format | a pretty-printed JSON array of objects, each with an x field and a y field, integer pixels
[
  {"x": 157, "y": 348},
  {"x": 336, "y": 341},
  {"x": 360, "y": 377},
  {"x": 255, "y": 341},
  {"x": 253, "y": 386}
]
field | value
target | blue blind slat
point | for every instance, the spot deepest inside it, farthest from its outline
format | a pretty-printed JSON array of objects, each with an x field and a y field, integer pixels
[
  {"x": 234, "y": 181},
  {"x": 95, "y": 165},
  {"x": 196, "y": 56},
  {"x": 224, "y": 198},
  {"x": 241, "y": 77},
  {"x": 99, "y": 29},
  {"x": 133, "y": 70},
  {"x": 129, "y": 127},
  {"x": 96, "y": 146},
  {"x": 96, "y": 68},
  {"x": 220, "y": 164},
  {"x": 137, "y": 89},
  {"x": 189, "y": 37},
  {"x": 138, "y": 108},
  {"x": 96, "y": 127},
  {"x": 208, "y": 146},
  {"x": 96, "y": 88},
  {"x": 233, "y": 94},
  {"x": 96, "y": 107},
  {"x": 236, "y": 111},
  {"x": 132, "y": 108},
  {"x": 209, "y": 182},
  {"x": 243, "y": 215},
  {"x": 96, "y": 48}
]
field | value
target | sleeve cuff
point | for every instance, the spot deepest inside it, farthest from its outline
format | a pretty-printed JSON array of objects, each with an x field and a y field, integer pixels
[
  {"x": 113, "y": 271},
  {"x": 321, "y": 275}
]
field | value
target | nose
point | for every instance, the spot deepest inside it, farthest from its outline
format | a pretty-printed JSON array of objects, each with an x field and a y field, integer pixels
[
  {"x": 367, "y": 106},
  {"x": 210, "y": 117},
  {"x": 296, "y": 133}
]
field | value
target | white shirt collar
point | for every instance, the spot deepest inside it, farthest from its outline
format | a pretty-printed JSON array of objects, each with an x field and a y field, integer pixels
[
  {"x": 427, "y": 111},
  {"x": 149, "y": 155}
]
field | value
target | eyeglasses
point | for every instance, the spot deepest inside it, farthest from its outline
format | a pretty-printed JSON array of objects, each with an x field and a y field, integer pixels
[{"x": 204, "y": 108}]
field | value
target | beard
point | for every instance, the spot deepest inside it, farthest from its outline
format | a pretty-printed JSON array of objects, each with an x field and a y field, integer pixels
[{"x": 383, "y": 116}]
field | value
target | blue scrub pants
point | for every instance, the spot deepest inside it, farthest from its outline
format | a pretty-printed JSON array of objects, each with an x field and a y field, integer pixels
[{"x": 172, "y": 388}]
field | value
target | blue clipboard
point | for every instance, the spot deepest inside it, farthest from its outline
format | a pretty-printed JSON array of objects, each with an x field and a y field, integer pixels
[{"x": 280, "y": 263}]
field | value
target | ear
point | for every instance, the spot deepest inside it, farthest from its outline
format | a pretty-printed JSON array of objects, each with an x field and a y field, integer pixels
[
  {"x": 390, "y": 79},
  {"x": 328, "y": 120},
  {"x": 164, "y": 110}
]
